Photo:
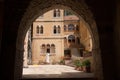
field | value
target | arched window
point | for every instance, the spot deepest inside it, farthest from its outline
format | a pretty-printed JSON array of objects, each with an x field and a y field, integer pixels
[
  {"x": 65, "y": 41},
  {"x": 52, "y": 48},
  {"x": 55, "y": 30},
  {"x": 65, "y": 28},
  {"x": 41, "y": 30},
  {"x": 58, "y": 29},
  {"x": 56, "y": 13},
  {"x": 43, "y": 45},
  {"x": 37, "y": 29},
  {"x": 48, "y": 48},
  {"x": 71, "y": 38},
  {"x": 43, "y": 48},
  {"x": 48, "y": 45},
  {"x": 71, "y": 27}
]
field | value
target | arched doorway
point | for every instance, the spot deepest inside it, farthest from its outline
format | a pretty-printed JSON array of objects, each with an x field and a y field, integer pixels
[{"x": 37, "y": 8}]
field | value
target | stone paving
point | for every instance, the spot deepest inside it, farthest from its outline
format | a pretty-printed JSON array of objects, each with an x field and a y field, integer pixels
[{"x": 53, "y": 71}]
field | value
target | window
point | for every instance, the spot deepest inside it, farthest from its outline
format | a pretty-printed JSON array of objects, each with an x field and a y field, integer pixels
[
  {"x": 55, "y": 30},
  {"x": 71, "y": 27},
  {"x": 37, "y": 29},
  {"x": 65, "y": 41},
  {"x": 48, "y": 45},
  {"x": 48, "y": 48},
  {"x": 43, "y": 48},
  {"x": 52, "y": 48},
  {"x": 65, "y": 28},
  {"x": 43, "y": 45},
  {"x": 71, "y": 38},
  {"x": 41, "y": 30},
  {"x": 58, "y": 29},
  {"x": 56, "y": 13}
]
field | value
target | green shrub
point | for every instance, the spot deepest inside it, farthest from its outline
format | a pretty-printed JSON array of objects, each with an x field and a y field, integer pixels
[
  {"x": 62, "y": 62},
  {"x": 86, "y": 63},
  {"x": 77, "y": 63}
]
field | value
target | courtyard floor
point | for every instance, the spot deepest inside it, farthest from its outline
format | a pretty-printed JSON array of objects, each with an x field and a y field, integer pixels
[{"x": 54, "y": 71}]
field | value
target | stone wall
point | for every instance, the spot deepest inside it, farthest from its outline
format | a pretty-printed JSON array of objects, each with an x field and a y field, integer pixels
[
  {"x": 1, "y": 22},
  {"x": 117, "y": 38}
]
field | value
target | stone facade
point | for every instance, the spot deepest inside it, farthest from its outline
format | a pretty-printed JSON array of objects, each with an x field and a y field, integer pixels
[{"x": 56, "y": 34}]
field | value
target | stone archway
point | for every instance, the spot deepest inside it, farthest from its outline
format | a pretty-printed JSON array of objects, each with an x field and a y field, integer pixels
[{"x": 37, "y": 8}]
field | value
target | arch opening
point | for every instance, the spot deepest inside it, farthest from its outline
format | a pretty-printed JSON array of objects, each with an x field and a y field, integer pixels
[{"x": 90, "y": 25}]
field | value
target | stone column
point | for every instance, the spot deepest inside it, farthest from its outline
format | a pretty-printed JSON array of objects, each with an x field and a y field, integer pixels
[
  {"x": 29, "y": 50},
  {"x": 1, "y": 18},
  {"x": 117, "y": 39},
  {"x": 25, "y": 51},
  {"x": 62, "y": 47},
  {"x": 67, "y": 42},
  {"x": 97, "y": 64},
  {"x": 18, "y": 64}
]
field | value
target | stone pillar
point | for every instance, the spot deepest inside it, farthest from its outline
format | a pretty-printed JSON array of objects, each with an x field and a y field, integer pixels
[
  {"x": 29, "y": 51},
  {"x": 117, "y": 39},
  {"x": 1, "y": 18},
  {"x": 67, "y": 42},
  {"x": 62, "y": 47},
  {"x": 18, "y": 64},
  {"x": 97, "y": 64},
  {"x": 25, "y": 51}
]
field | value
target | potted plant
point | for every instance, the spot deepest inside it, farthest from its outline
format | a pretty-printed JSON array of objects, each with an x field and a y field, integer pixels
[
  {"x": 78, "y": 65},
  {"x": 62, "y": 62},
  {"x": 87, "y": 65}
]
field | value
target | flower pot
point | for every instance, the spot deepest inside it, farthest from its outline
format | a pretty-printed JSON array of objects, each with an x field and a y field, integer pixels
[
  {"x": 88, "y": 69},
  {"x": 76, "y": 67}
]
